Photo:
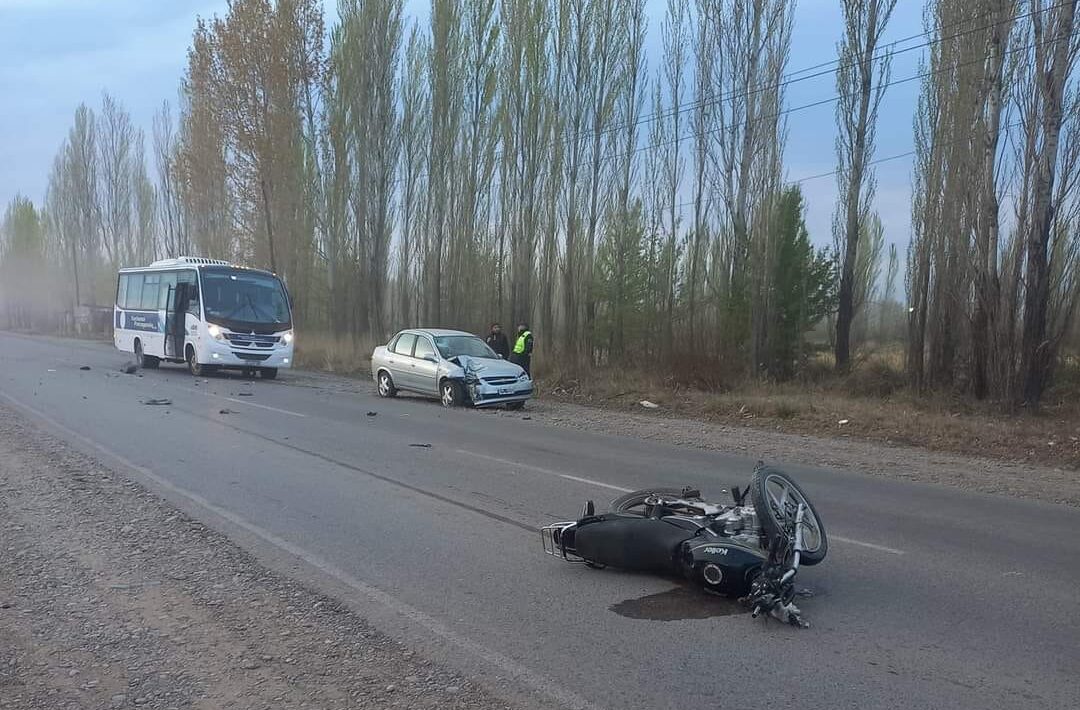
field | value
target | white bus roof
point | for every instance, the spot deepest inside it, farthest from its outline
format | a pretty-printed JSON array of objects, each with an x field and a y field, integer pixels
[{"x": 181, "y": 261}]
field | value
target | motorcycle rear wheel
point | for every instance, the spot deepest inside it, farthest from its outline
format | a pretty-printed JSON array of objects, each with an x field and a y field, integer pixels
[
  {"x": 626, "y": 502},
  {"x": 776, "y": 499}
]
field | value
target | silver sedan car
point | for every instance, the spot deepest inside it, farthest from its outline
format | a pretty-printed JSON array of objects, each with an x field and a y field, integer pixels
[{"x": 457, "y": 368}]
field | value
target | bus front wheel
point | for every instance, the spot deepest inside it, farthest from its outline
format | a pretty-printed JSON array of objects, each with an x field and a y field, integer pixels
[{"x": 194, "y": 367}]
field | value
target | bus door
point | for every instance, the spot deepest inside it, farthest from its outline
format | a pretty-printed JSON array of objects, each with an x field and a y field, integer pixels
[{"x": 176, "y": 308}]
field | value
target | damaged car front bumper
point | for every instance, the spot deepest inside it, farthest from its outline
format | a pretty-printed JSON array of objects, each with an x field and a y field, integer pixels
[{"x": 484, "y": 393}]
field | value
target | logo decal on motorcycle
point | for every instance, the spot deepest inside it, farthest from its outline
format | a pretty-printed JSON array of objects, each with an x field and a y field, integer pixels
[{"x": 716, "y": 550}]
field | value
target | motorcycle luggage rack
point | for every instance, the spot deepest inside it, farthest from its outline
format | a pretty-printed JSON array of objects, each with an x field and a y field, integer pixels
[{"x": 551, "y": 539}]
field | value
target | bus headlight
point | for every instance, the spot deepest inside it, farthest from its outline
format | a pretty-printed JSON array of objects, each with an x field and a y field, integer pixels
[
  {"x": 215, "y": 332},
  {"x": 287, "y": 337}
]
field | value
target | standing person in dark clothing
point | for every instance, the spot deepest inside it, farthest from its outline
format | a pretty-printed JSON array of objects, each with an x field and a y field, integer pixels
[
  {"x": 497, "y": 341},
  {"x": 523, "y": 348}
]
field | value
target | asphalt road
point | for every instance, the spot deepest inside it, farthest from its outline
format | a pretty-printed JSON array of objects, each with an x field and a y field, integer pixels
[{"x": 930, "y": 597}]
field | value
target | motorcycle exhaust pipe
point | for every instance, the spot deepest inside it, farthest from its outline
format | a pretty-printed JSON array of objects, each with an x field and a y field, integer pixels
[{"x": 712, "y": 574}]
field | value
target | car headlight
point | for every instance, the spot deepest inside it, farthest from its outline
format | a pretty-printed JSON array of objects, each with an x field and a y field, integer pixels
[
  {"x": 287, "y": 337},
  {"x": 523, "y": 377},
  {"x": 215, "y": 332}
]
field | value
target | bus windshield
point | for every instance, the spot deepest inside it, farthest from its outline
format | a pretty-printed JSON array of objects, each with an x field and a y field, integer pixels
[{"x": 244, "y": 296}]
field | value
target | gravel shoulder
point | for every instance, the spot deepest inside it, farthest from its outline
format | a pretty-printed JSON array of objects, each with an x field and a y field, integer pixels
[
  {"x": 983, "y": 475},
  {"x": 111, "y": 598}
]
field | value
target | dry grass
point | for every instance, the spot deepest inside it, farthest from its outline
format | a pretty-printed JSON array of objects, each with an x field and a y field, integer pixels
[
  {"x": 343, "y": 356},
  {"x": 872, "y": 403}
]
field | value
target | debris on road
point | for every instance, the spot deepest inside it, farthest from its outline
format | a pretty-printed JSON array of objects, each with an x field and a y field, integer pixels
[
  {"x": 372, "y": 414},
  {"x": 225, "y": 411},
  {"x": 244, "y": 394},
  {"x": 129, "y": 368},
  {"x": 842, "y": 422},
  {"x": 85, "y": 367},
  {"x": 157, "y": 402},
  {"x": 420, "y": 446},
  {"x": 50, "y": 370},
  {"x": 649, "y": 405}
]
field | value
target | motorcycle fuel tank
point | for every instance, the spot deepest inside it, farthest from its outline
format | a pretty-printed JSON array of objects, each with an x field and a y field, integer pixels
[{"x": 630, "y": 542}]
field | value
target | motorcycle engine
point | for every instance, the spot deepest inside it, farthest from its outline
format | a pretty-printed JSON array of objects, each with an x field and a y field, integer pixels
[{"x": 741, "y": 523}]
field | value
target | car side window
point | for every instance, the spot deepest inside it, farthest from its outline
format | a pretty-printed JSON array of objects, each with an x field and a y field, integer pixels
[
  {"x": 423, "y": 348},
  {"x": 404, "y": 344}
]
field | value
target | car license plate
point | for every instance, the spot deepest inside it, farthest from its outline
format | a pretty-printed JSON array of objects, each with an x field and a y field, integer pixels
[{"x": 505, "y": 390}]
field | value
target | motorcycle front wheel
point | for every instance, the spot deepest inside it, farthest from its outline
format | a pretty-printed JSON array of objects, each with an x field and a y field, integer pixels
[{"x": 776, "y": 499}]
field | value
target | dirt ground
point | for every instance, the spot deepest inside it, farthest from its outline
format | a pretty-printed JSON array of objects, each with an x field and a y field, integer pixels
[{"x": 111, "y": 598}]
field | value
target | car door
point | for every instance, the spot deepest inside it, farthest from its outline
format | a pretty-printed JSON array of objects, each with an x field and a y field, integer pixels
[
  {"x": 399, "y": 361},
  {"x": 425, "y": 366}
]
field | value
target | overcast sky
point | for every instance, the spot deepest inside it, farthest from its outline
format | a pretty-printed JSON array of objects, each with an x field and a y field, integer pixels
[{"x": 55, "y": 54}]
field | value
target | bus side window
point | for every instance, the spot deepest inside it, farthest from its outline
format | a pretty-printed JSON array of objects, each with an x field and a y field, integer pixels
[
  {"x": 189, "y": 277},
  {"x": 133, "y": 297},
  {"x": 165, "y": 289},
  {"x": 149, "y": 300},
  {"x": 121, "y": 290},
  {"x": 193, "y": 301}
]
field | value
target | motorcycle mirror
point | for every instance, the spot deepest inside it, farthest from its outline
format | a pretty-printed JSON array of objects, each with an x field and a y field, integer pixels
[{"x": 589, "y": 509}]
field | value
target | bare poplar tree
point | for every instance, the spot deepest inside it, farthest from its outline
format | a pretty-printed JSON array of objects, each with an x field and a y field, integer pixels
[
  {"x": 116, "y": 139},
  {"x": 989, "y": 132},
  {"x": 415, "y": 110},
  {"x": 607, "y": 46},
  {"x": 526, "y": 121},
  {"x": 1055, "y": 47},
  {"x": 171, "y": 214},
  {"x": 444, "y": 77},
  {"x": 675, "y": 37},
  {"x": 575, "y": 89},
  {"x": 860, "y": 81}
]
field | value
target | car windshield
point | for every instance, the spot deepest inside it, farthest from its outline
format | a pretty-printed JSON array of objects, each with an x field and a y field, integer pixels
[
  {"x": 247, "y": 296},
  {"x": 454, "y": 345}
]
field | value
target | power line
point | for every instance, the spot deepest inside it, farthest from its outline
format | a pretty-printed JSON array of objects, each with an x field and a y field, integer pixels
[
  {"x": 818, "y": 176},
  {"x": 787, "y": 80},
  {"x": 813, "y": 104}
]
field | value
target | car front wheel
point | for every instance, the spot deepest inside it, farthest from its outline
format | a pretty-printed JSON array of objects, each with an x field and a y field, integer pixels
[{"x": 453, "y": 394}]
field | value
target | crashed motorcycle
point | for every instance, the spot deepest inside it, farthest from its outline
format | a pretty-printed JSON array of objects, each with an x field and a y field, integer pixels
[{"x": 751, "y": 550}]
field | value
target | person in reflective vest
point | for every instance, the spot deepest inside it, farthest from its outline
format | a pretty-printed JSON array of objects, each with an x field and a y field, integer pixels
[{"x": 523, "y": 348}]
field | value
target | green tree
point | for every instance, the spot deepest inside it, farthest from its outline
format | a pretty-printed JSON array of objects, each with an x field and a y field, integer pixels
[
  {"x": 622, "y": 284},
  {"x": 805, "y": 283},
  {"x": 22, "y": 262}
]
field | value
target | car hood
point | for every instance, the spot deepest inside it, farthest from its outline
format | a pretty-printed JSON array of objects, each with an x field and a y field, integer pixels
[{"x": 486, "y": 367}]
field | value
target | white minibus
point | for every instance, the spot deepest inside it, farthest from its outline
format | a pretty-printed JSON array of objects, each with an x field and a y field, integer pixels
[{"x": 207, "y": 313}]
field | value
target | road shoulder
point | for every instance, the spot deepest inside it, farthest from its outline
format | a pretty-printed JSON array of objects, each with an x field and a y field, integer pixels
[{"x": 110, "y": 597}]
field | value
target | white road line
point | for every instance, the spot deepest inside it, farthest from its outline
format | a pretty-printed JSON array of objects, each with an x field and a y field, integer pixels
[
  {"x": 872, "y": 546},
  {"x": 546, "y": 686},
  {"x": 594, "y": 483},
  {"x": 507, "y": 462},
  {"x": 260, "y": 406},
  {"x": 589, "y": 481},
  {"x": 240, "y": 401},
  {"x": 547, "y": 471}
]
